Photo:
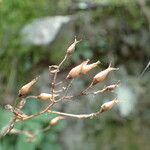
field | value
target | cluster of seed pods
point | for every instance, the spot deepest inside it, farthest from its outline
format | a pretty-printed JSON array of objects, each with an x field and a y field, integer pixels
[{"x": 82, "y": 69}]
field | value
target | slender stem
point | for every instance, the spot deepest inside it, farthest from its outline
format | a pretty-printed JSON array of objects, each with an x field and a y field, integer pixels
[
  {"x": 67, "y": 89},
  {"x": 148, "y": 65},
  {"x": 84, "y": 91},
  {"x": 45, "y": 129},
  {"x": 38, "y": 114},
  {"x": 66, "y": 56},
  {"x": 80, "y": 116},
  {"x": 100, "y": 91},
  {"x": 55, "y": 75}
]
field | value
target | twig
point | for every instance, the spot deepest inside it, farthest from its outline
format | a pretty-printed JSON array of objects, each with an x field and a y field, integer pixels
[
  {"x": 38, "y": 114},
  {"x": 66, "y": 56},
  {"x": 84, "y": 91},
  {"x": 55, "y": 75},
  {"x": 8, "y": 127},
  {"x": 145, "y": 69},
  {"x": 67, "y": 89},
  {"x": 80, "y": 116},
  {"x": 26, "y": 89}
]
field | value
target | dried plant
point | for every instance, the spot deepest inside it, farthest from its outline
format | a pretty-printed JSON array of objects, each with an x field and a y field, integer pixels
[{"x": 53, "y": 98}]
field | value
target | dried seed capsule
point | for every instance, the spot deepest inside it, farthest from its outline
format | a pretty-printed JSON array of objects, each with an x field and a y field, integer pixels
[
  {"x": 46, "y": 96},
  {"x": 108, "y": 105},
  {"x": 108, "y": 88},
  {"x": 111, "y": 87},
  {"x": 55, "y": 120},
  {"x": 26, "y": 89},
  {"x": 71, "y": 48},
  {"x": 76, "y": 71},
  {"x": 88, "y": 67},
  {"x": 101, "y": 76}
]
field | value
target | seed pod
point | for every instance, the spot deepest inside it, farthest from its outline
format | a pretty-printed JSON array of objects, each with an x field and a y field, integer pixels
[
  {"x": 55, "y": 120},
  {"x": 108, "y": 105},
  {"x": 111, "y": 87},
  {"x": 46, "y": 96},
  {"x": 26, "y": 89},
  {"x": 108, "y": 88},
  {"x": 71, "y": 48},
  {"x": 101, "y": 76},
  {"x": 86, "y": 68},
  {"x": 76, "y": 71}
]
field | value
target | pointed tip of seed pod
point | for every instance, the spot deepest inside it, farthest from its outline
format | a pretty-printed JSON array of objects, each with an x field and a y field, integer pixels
[
  {"x": 98, "y": 62},
  {"x": 114, "y": 68},
  {"x": 110, "y": 64},
  {"x": 115, "y": 100},
  {"x": 86, "y": 62},
  {"x": 37, "y": 78},
  {"x": 68, "y": 77},
  {"x": 111, "y": 68},
  {"x": 77, "y": 41}
]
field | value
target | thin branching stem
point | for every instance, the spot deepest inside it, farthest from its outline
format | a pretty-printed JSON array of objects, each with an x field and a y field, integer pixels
[
  {"x": 80, "y": 116},
  {"x": 8, "y": 127},
  {"x": 38, "y": 114},
  {"x": 25, "y": 90}
]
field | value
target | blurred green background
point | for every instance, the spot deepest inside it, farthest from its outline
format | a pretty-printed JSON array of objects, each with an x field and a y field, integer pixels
[{"x": 32, "y": 38}]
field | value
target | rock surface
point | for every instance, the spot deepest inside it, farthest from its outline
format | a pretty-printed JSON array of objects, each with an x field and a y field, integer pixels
[{"x": 43, "y": 31}]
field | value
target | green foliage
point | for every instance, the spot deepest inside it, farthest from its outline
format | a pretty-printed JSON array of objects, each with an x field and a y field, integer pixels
[{"x": 14, "y": 14}]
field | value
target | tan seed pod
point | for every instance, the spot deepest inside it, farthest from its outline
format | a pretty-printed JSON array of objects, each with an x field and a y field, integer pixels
[
  {"x": 88, "y": 67},
  {"x": 55, "y": 120},
  {"x": 26, "y": 89},
  {"x": 111, "y": 87},
  {"x": 71, "y": 48},
  {"x": 108, "y": 105},
  {"x": 108, "y": 88},
  {"x": 101, "y": 76},
  {"x": 76, "y": 71},
  {"x": 46, "y": 96}
]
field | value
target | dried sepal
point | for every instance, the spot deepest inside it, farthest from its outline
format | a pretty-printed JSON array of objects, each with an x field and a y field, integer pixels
[
  {"x": 72, "y": 47},
  {"x": 88, "y": 67},
  {"x": 76, "y": 71},
  {"x": 101, "y": 76},
  {"x": 26, "y": 89},
  {"x": 55, "y": 120},
  {"x": 108, "y": 105},
  {"x": 46, "y": 96}
]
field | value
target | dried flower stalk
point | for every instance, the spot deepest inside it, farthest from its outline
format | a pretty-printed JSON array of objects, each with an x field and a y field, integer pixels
[{"x": 53, "y": 97}]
